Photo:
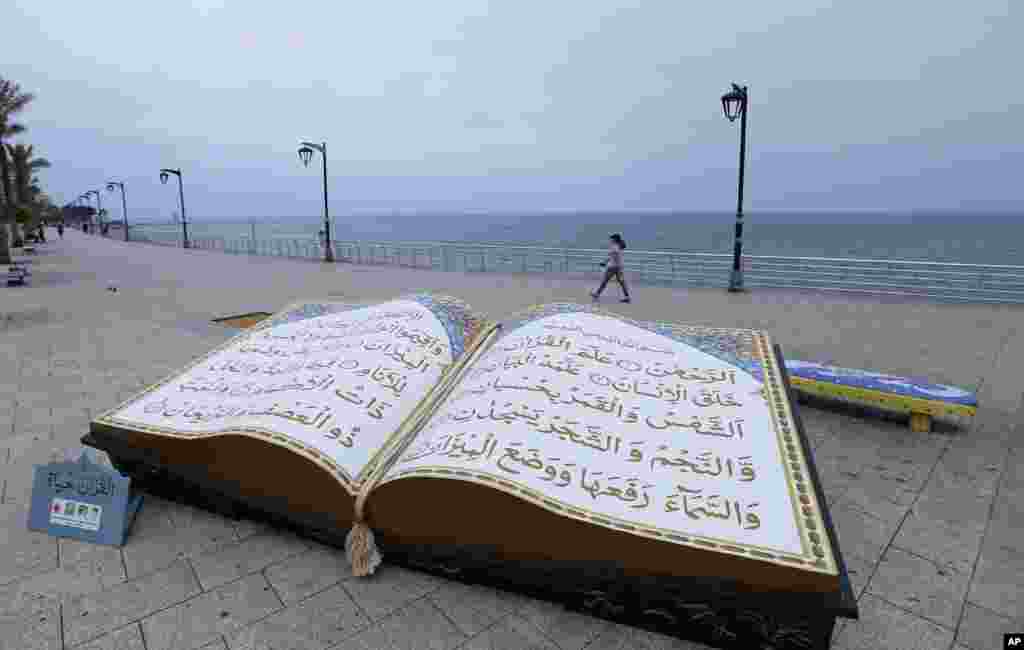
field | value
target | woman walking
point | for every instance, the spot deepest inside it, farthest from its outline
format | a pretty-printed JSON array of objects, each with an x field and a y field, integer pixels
[{"x": 613, "y": 267}]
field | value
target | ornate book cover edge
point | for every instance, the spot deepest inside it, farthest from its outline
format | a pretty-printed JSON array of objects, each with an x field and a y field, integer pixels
[{"x": 848, "y": 600}]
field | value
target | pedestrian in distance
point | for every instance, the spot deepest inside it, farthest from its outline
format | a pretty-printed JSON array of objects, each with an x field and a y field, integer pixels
[
  {"x": 613, "y": 268},
  {"x": 60, "y": 230}
]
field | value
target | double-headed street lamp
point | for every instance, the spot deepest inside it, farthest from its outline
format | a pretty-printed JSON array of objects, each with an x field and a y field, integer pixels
[
  {"x": 164, "y": 174},
  {"x": 734, "y": 103},
  {"x": 124, "y": 205},
  {"x": 305, "y": 154}
]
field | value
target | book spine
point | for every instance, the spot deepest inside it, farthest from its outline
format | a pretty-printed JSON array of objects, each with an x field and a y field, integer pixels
[{"x": 424, "y": 412}]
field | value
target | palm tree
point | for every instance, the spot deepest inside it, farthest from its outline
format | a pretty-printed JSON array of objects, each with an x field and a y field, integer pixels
[
  {"x": 12, "y": 101},
  {"x": 26, "y": 188}
]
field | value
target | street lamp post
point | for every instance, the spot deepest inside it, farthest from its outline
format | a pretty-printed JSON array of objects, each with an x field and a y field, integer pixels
[
  {"x": 86, "y": 218},
  {"x": 99, "y": 208},
  {"x": 79, "y": 204},
  {"x": 164, "y": 173},
  {"x": 734, "y": 103},
  {"x": 124, "y": 205},
  {"x": 305, "y": 153}
]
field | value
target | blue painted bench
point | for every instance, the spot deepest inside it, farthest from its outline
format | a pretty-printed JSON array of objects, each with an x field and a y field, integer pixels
[{"x": 918, "y": 397}]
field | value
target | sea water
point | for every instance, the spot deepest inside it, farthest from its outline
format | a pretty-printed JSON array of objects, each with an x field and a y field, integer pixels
[{"x": 947, "y": 237}]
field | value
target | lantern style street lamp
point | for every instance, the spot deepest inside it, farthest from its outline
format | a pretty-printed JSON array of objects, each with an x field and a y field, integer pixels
[
  {"x": 124, "y": 205},
  {"x": 164, "y": 175},
  {"x": 734, "y": 104},
  {"x": 305, "y": 155}
]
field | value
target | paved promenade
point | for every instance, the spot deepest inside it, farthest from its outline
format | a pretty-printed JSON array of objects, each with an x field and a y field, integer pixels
[{"x": 931, "y": 525}]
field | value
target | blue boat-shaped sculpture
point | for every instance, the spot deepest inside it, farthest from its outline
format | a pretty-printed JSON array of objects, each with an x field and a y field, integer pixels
[{"x": 918, "y": 397}]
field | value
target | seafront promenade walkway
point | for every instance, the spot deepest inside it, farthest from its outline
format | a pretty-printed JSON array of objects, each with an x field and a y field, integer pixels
[{"x": 931, "y": 524}]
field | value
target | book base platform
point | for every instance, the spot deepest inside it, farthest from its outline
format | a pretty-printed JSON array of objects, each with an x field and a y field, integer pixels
[{"x": 716, "y": 612}]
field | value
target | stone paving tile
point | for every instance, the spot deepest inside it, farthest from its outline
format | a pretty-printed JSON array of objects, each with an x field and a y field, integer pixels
[
  {"x": 999, "y": 580},
  {"x": 860, "y": 533},
  {"x": 151, "y": 529},
  {"x": 957, "y": 546},
  {"x": 569, "y": 630},
  {"x": 878, "y": 498},
  {"x": 883, "y": 626},
  {"x": 510, "y": 633},
  {"x": 241, "y": 558},
  {"x": 302, "y": 575},
  {"x": 419, "y": 625},
  {"x": 90, "y": 616},
  {"x": 1013, "y": 478},
  {"x": 957, "y": 497},
  {"x": 15, "y": 448},
  {"x": 859, "y": 571},
  {"x": 247, "y": 528},
  {"x": 35, "y": 625},
  {"x": 389, "y": 589},
  {"x": 6, "y": 428},
  {"x": 981, "y": 629},
  {"x": 621, "y": 637},
  {"x": 127, "y": 638},
  {"x": 1007, "y": 523},
  {"x": 210, "y": 524},
  {"x": 23, "y": 552},
  {"x": 818, "y": 425},
  {"x": 32, "y": 417},
  {"x": 33, "y": 448},
  {"x": 70, "y": 423},
  {"x": 205, "y": 618},
  {"x": 931, "y": 590},
  {"x": 171, "y": 533},
  {"x": 323, "y": 620},
  {"x": 73, "y": 551},
  {"x": 970, "y": 452},
  {"x": 474, "y": 607},
  {"x": 63, "y": 583}
]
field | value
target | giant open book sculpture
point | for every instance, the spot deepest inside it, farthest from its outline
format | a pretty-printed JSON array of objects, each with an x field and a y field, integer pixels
[{"x": 649, "y": 473}]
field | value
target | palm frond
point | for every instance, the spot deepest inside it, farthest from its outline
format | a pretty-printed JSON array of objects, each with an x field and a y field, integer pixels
[
  {"x": 12, "y": 98},
  {"x": 11, "y": 129}
]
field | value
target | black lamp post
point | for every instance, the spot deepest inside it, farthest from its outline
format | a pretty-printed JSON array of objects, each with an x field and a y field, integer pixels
[
  {"x": 164, "y": 175},
  {"x": 734, "y": 103},
  {"x": 124, "y": 205},
  {"x": 79, "y": 203},
  {"x": 305, "y": 154},
  {"x": 99, "y": 208}
]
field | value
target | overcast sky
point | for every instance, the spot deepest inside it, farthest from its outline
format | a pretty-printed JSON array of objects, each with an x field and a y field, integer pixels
[{"x": 525, "y": 105}]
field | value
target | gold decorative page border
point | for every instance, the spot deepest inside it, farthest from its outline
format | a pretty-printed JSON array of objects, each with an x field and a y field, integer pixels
[
  {"x": 817, "y": 556},
  {"x": 351, "y": 484},
  {"x": 804, "y": 499}
]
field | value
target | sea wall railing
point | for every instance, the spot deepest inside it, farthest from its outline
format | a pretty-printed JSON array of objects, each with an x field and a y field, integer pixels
[{"x": 933, "y": 280}]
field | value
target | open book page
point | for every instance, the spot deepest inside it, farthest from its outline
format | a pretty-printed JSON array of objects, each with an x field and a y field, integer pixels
[
  {"x": 678, "y": 433},
  {"x": 333, "y": 380}
]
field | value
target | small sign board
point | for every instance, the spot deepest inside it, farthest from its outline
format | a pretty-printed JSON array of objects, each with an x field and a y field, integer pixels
[{"x": 83, "y": 500}]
